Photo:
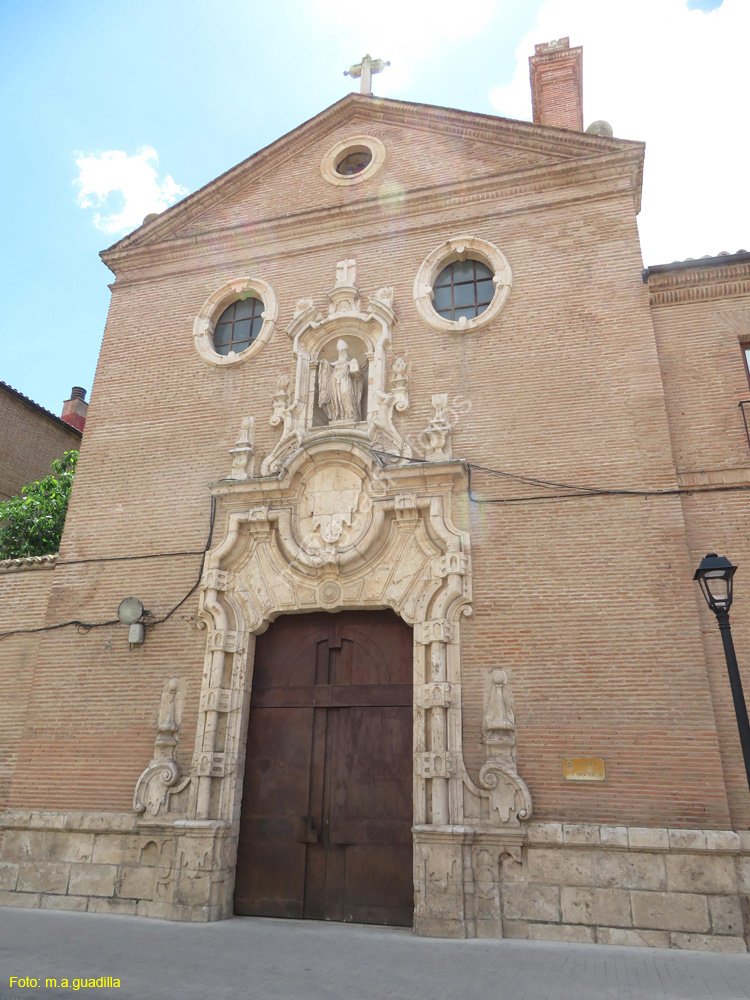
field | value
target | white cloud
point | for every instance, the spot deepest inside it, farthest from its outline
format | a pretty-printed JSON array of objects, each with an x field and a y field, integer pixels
[
  {"x": 407, "y": 32},
  {"x": 113, "y": 180},
  {"x": 676, "y": 78}
]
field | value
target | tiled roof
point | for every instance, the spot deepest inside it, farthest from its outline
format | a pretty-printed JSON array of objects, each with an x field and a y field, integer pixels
[
  {"x": 722, "y": 258},
  {"x": 42, "y": 409}
]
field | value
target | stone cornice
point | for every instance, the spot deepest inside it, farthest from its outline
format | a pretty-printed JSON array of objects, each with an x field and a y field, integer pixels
[
  {"x": 548, "y": 141},
  {"x": 699, "y": 283},
  {"x": 84, "y": 821},
  {"x": 25, "y": 563},
  {"x": 662, "y": 840},
  {"x": 523, "y": 190}
]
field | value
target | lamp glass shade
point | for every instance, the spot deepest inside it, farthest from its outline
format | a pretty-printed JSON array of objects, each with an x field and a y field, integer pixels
[
  {"x": 129, "y": 610},
  {"x": 715, "y": 575}
]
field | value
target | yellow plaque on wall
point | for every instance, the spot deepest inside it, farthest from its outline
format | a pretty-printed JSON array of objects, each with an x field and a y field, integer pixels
[{"x": 583, "y": 769}]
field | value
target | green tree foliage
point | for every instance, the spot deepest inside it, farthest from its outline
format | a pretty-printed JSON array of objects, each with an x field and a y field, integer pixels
[{"x": 31, "y": 524}]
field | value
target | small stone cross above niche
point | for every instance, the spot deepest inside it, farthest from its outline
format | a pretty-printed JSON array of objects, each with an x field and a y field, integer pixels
[{"x": 346, "y": 273}]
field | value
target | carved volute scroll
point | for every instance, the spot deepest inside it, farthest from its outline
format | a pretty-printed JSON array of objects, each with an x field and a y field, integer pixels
[
  {"x": 400, "y": 385},
  {"x": 162, "y": 777},
  {"x": 510, "y": 800}
]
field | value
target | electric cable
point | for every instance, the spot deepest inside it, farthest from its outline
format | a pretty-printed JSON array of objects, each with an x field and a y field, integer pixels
[
  {"x": 87, "y": 626},
  {"x": 577, "y": 493}
]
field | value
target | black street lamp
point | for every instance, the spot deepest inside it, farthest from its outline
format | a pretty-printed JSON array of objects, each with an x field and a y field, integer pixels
[{"x": 715, "y": 577}]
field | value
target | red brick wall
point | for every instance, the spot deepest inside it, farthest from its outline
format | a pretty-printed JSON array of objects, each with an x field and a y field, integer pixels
[
  {"x": 23, "y": 602},
  {"x": 29, "y": 441},
  {"x": 587, "y": 604},
  {"x": 700, "y": 335}
]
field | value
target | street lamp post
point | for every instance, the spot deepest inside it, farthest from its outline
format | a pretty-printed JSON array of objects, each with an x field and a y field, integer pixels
[{"x": 715, "y": 578}]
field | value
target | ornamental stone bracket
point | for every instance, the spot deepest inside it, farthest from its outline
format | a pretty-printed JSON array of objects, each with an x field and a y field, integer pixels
[
  {"x": 162, "y": 778},
  {"x": 340, "y": 385},
  {"x": 438, "y": 432},
  {"x": 509, "y": 798}
]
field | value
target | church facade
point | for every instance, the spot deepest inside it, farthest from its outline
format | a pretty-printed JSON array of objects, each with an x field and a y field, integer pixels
[{"x": 406, "y": 465}]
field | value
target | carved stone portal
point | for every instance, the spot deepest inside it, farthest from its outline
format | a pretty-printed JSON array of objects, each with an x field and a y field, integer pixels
[{"x": 338, "y": 519}]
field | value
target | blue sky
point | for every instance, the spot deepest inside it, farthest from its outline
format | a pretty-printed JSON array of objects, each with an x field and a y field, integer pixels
[{"x": 110, "y": 111}]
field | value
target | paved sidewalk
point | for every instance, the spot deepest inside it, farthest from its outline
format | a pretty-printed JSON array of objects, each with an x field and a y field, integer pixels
[{"x": 307, "y": 960}]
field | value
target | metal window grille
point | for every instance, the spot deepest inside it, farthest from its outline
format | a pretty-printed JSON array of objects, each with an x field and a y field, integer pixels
[
  {"x": 238, "y": 326},
  {"x": 463, "y": 288}
]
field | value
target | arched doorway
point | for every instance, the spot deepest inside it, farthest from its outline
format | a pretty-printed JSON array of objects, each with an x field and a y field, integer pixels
[{"x": 325, "y": 828}]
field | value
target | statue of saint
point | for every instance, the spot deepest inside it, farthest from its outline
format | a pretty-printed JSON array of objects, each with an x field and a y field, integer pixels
[{"x": 340, "y": 387}]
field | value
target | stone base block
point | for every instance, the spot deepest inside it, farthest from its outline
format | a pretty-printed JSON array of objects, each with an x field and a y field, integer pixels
[
  {"x": 439, "y": 927},
  {"x": 708, "y": 942},
  {"x": 562, "y": 932},
  {"x": 543, "y": 882},
  {"x": 77, "y": 903},
  {"x": 632, "y": 938}
]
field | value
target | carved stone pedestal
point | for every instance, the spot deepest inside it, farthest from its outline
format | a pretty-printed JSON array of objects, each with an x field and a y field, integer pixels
[{"x": 457, "y": 887}]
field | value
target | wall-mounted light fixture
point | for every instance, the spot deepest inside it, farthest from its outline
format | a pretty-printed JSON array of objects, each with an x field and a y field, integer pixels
[{"x": 130, "y": 612}]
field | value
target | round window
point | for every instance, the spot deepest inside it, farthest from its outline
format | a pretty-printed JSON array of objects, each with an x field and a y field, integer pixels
[
  {"x": 238, "y": 326},
  {"x": 463, "y": 288},
  {"x": 462, "y": 285},
  {"x": 354, "y": 163}
]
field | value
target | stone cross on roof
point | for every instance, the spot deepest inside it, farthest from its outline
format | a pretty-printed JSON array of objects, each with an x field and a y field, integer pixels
[{"x": 364, "y": 71}]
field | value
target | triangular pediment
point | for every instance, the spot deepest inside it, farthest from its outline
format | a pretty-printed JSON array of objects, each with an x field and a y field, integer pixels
[{"x": 427, "y": 147}]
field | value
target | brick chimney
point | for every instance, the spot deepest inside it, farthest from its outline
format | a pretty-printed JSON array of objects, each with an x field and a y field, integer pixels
[
  {"x": 557, "y": 84},
  {"x": 75, "y": 409}
]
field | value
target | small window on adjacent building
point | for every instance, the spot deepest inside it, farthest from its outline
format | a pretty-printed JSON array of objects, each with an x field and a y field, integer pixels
[
  {"x": 238, "y": 326},
  {"x": 463, "y": 288}
]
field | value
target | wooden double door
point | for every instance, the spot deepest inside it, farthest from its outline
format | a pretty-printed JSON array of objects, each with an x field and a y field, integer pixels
[{"x": 325, "y": 830}]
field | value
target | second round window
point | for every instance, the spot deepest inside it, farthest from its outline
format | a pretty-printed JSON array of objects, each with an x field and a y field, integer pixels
[
  {"x": 238, "y": 326},
  {"x": 463, "y": 288}
]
